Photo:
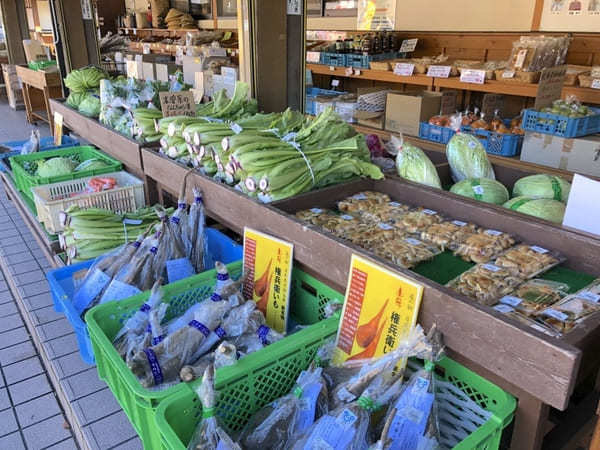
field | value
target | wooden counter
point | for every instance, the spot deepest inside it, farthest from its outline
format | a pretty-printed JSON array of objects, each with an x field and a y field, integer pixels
[{"x": 48, "y": 83}]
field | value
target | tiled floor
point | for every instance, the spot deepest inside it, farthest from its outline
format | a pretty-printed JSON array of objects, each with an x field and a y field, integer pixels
[{"x": 34, "y": 380}]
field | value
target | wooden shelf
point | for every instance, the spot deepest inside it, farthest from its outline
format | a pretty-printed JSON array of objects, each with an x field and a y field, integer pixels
[
  {"x": 492, "y": 86},
  {"x": 375, "y": 75}
]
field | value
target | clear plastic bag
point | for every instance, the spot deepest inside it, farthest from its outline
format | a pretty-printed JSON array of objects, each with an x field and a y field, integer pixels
[
  {"x": 33, "y": 144},
  {"x": 485, "y": 283},
  {"x": 533, "y": 296},
  {"x": 528, "y": 261},
  {"x": 509, "y": 311},
  {"x": 484, "y": 246},
  {"x": 199, "y": 255},
  {"x": 405, "y": 252},
  {"x": 362, "y": 201},
  {"x": 417, "y": 220},
  {"x": 448, "y": 235},
  {"x": 275, "y": 425}
]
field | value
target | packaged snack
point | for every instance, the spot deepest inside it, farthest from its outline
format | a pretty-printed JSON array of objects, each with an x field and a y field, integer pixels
[
  {"x": 564, "y": 315},
  {"x": 405, "y": 252},
  {"x": 315, "y": 216},
  {"x": 528, "y": 260},
  {"x": 449, "y": 234},
  {"x": 390, "y": 212},
  {"x": 484, "y": 245},
  {"x": 485, "y": 283},
  {"x": 419, "y": 219},
  {"x": 362, "y": 201},
  {"x": 509, "y": 311},
  {"x": 534, "y": 295}
]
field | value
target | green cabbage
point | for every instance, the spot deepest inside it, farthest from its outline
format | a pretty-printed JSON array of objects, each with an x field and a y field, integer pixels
[
  {"x": 483, "y": 189},
  {"x": 91, "y": 164},
  {"x": 467, "y": 158},
  {"x": 75, "y": 98},
  {"x": 90, "y": 105},
  {"x": 542, "y": 186},
  {"x": 414, "y": 165},
  {"x": 544, "y": 208},
  {"x": 81, "y": 80},
  {"x": 54, "y": 167}
]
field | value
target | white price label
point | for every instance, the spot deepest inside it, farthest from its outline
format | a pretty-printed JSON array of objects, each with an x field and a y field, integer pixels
[
  {"x": 503, "y": 308},
  {"x": 508, "y": 74},
  {"x": 459, "y": 223},
  {"x": 493, "y": 232},
  {"x": 348, "y": 71},
  {"x": 491, "y": 267},
  {"x": 413, "y": 241},
  {"x": 429, "y": 212},
  {"x": 316, "y": 210},
  {"x": 146, "y": 48},
  {"x": 347, "y": 217},
  {"x": 313, "y": 57},
  {"x": 335, "y": 83},
  {"x": 589, "y": 296},
  {"x": 596, "y": 83},
  {"x": 478, "y": 189},
  {"x": 332, "y": 68},
  {"x": 356, "y": 72},
  {"x": 511, "y": 300},
  {"x": 560, "y": 316},
  {"x": 385, "y": 226},
  {"x": 540, "y": 250},
  {"x": 395, "y": 204},
  {"x": 439, "y": 71},
  {"x": 404, "y": 69},
  {"x": 472, "y": 76},
  {"x": 408, "y": 45}
]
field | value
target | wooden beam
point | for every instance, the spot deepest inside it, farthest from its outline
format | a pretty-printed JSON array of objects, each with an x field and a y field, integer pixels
[
  {"x": 15, "y": 28},
  {"x": 537, "y": 15}
]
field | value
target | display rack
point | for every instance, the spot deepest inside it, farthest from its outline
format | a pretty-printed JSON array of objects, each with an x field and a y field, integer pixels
[{"x": 47, "y": 82}]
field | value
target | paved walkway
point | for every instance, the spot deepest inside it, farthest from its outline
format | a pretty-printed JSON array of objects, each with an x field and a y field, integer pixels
[{"x": 49, "y": 398}]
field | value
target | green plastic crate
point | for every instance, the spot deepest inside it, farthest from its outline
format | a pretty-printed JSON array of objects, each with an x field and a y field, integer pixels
[
  {"x": 139, "y": 403},
  {"x": 244, "y": 391},
  {"x": 25, "y": 181}
]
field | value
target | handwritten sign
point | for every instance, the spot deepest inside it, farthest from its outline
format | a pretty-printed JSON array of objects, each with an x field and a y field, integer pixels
[
  {"x": 177, "y": 104},
  {"x": 146, "y": 48},
  {"x": 550, "y": 87},
  {"x": 58, "y": 128},
  {"x": 313, "y": 57},
  {"x": 508, "y": 74},
  {"x": 380, "y": 310},
  {"x": 408, "y": 45},
  {"x": 404, "y": 69},
  {"x": 439, "y": 71},
  {"x": 472, "y": 76},
  {"x": 268, "y": 269},
  {"x": 596, "y": 83}
]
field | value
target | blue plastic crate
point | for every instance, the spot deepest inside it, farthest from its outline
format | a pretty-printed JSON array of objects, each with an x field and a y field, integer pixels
[
  {"x": 333, "y": 59},
  {"x": 312, "y": 93},
  {"x": 362, "y": 61},
  {"x": 46, "y": 143},
  {"x": 435, "y": 133},
  {"x": 220, "y": 247},
  {"x": 497, "y": 143},
  {"x": 567, "y": 127}
]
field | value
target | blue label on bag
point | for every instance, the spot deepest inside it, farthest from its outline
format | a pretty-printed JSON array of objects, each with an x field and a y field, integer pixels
[
  {"x": 222, "y": 276},
  {"x": 262, "y": 333},
  {"x": 178, "y": 269},
  {"x": 117, "y": 290},
  {"x": 200, "y": 327},
  {"x": 307, "y": 407},
  {"x": 157, "y": 340},
  {"x": 331, "y": 432},
  {"x": 220, "y": 332},
  {"x": 145, "y": 308},
  {"x": 89, "y": 290},
  {"x": 412, "y": 413},
  {"x": 154, "y": 366}
]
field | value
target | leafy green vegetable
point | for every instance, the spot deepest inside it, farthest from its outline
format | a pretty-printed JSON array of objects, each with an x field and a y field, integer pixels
[
  {"x": 75, "y": 98},
  {"x": 414, "y": 165},
  {"x": 483, "y": 189},
  {"x": 542, "y": 186},
  {"x": 544, "y": 208},
  {"x": 81, "y": 80},
  {"x": 91, "y": 164},
  {"x": 90, "y": 105},
  {"x": 467, "y": 158},
  {"x": 54, "y": 167}
]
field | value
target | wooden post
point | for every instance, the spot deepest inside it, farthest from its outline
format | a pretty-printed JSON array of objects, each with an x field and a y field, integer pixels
[{"x": 16, "y": 29}]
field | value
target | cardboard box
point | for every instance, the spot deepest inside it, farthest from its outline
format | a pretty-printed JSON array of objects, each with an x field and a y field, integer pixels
[
  {"x": 403, "y": 112},
  {"x": 35, "y": 51},
  {"x": 581, "y": 155},
  {"x": 148, "y": 71},
  {"x": 370, "y": 119}
]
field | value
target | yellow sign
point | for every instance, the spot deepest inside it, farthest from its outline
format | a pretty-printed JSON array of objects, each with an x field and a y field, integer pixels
[
  {"x": 380, "y": 309},
  {"x": 268, "y": 268},
  {"x": 58, "y": 128}
]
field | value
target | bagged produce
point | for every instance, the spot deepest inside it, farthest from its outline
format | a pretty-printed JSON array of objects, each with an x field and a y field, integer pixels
[
  {"x": 208, "y": 434},
  {"x": 414, "y": 165},
  {"x": 75, "y": 98},
  {"x": 54, "y": 167},
  {"x": 90, "y": 105},
  {"x": 467, "y": 158},
  {"x": 482, "y": 189},
  {"x": 33, "y": 144},
  {"x": 534, "y": 295},
  {"x": 542, "y": 186},
  {"x": 543, "y": 208},
  {"x": 528, "y": 260}
]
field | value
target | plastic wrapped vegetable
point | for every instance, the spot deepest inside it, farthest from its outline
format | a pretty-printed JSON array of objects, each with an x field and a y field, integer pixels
[
  {"x": 414, "y": 165},
  {"x": 467, "y": 158},
  {"x": 482, "y": 189},
  {"x": 55, "y": 167},
  {"x": 33, "y": 144},
  {"x": 543, "y": 208},
  {"x": 196, "y": 226},
  {"x": 208, "y": 434},
  {"x": 543, "y": 186},
  {"x": 275, "y": 425}
]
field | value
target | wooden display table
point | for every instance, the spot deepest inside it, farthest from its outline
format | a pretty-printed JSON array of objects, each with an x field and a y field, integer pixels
[{"x": 50, "y": 85}]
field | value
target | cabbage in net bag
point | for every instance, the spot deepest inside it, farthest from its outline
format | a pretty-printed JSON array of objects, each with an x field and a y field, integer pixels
[
  {"x": 414, "y": 165},
  {"x": 467, "y": 158}
]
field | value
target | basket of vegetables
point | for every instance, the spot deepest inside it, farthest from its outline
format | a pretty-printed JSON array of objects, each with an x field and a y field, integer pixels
[
  {"x": 565, "y": 118},
  {"x": 53, "y": 166}
]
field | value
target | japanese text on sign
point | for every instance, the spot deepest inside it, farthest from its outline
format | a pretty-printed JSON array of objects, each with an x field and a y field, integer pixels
[
  {"x": 550, "y": 86},
  {"x": 404, "y": 69},
  {"x": 380, "y": 310},
  {"x": 177, "y": 104},
  {"x": 439, "y": 71},
  {"x": 268, "y": 269},
  {"x": 472, "y": 76}
]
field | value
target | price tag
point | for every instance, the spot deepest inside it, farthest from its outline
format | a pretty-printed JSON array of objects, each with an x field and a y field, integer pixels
[
  {"x": 550, "y": 86},
  {"x": 146, "y": 48},
  {"x": 429, "y": 212},
  {"x": 560, "y": 316},
  {"x": 589, "y": 296},
  {"x": 596, "y": 83},
  {"x": 491, "y": 267},
  {"x": 413, "y": 241},
  {"x": 503, "y": 308},
  {"x": 508, "y": 74},
  {"x": 347, "y": 217},
  {"x": 313, "y": 57},
  {"x": 511, "y": 300},
  {"x": 134, "y": 32},
  {"x": 408, "y": 45},
  {"x": 132, "y": 221},
  {"x": 493, "y": 232},
  {"x": 335, "y": 83},
  {"x": 459, "y": 223},
  {"x": 404, "y": 69},
  {"x": 348, "y": 71},
  {"x": 356, "y": 72},
  {"x": 332, "y": 68},
  {"x": 520, "y": 58},
  {"x": 472, "y": 76},
  {"x": 268, "y": 269},
  {"x": 384, "y": 302},
  {"x": 439, "y": 71},
  {"x": 58, "y": 128},
  {"x": 177, "y": 104},
  {"x": 316, "y": 210},
  {"x": 394, "y": 204},
  {"x": 540, "y": 250},
  {"x": 385, "y": 226},
  {"x": 478, "y": 189}
]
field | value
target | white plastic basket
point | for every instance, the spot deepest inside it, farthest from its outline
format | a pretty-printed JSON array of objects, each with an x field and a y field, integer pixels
[{"x": 52, "y": 199}]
